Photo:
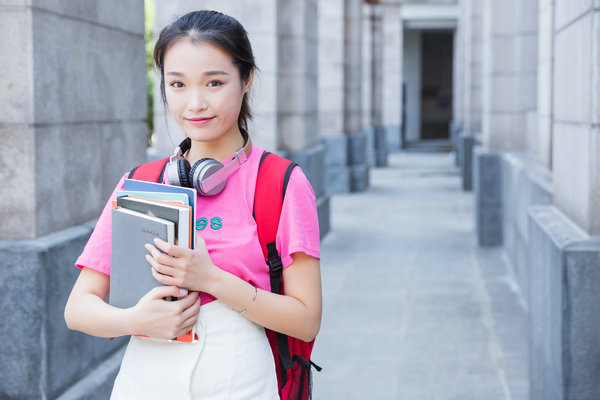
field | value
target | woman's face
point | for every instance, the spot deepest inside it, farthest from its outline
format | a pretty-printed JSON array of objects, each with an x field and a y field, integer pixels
[{"x": 203, "y": 90}]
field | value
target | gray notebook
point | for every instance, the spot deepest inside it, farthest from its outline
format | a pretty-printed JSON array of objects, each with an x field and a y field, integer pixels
[{"x": 130, "y": 274}]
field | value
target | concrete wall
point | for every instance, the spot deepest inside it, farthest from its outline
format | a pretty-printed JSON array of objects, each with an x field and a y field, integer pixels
[
  {"x": 536, "y": 189},
  {"x": 565, "y": 255},
  {"x": 525, "y": 183},
  {"x": 563, "y": 319},
  {"x": 576, "y": 113}
]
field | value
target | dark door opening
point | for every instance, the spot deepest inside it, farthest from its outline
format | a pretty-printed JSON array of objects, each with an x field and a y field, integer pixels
[{"x": 436, "y": 84}]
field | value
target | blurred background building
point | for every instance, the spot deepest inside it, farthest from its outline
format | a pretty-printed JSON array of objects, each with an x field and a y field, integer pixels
[{"x": 511, "y": 86}]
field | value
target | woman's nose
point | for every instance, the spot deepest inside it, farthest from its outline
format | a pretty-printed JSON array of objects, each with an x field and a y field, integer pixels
[{"x": 197, "y": 102}]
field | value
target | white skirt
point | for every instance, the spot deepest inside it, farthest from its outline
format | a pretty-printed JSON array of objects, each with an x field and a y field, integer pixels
[{"x": 232, "y": 360}]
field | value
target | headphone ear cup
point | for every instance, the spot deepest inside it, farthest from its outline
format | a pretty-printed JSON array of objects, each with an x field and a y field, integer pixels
[
  {"x": 177, "y": 172},
  {"x": 201, "y": 170},
  {"x": 183, "y": 172}
]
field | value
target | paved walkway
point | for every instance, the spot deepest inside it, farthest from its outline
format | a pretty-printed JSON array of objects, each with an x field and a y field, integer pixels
[{"x": 412, "y": 308}]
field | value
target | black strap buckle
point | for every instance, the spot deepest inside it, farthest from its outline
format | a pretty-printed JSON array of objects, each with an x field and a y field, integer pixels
[{"x": 275, "y": 264}]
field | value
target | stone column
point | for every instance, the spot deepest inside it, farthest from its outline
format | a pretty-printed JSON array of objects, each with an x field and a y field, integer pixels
[
  {"x": 331, "y": 95},
  {"x": 297, "y": 106},
  {"x": 74, "y": 107},
  {"x": 509, "y": 94},
  {"x": 458, "y": 66},
  {"x": 526, "y": 58},
  {"x": 357, "y": 157},
  {"x": 367, "y": 82},
  {"x": 412, "y": 80},
  {"x": 509, "y": 73},
  {"x": 545, "y": 93},
  {"x": 377, "y": 81},
  {"x": 473, "y": 60},
  {"x": 392, "y": 76},
  {"x": 471, "y": 15},
  {"x": 499, "y": 124}
]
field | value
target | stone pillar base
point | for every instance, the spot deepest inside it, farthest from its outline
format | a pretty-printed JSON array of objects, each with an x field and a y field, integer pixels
[
  {"x": 357, "y": 160},
  {"x": 524, "y": 183},
  {"x": 369, "y": 133},
  {"x": 312, "y": 162},
  {"x": 98, "y": 383},
  {"x": 393, "y": 138},
  {"x": 487, "y": 186},
  {"x": 455, "y": 131},
  {"x": 381, "y": 149},
  {"x": 564, "y": 323},
  {"x": 45, "y": 356},
  {"x": 346, "y": 168},
  {"x": 338, "y": 179},
  {"x": 466, "y": 142}
]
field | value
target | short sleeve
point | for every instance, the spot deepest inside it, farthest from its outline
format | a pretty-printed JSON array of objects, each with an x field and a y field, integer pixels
[
  {"x": 96, "y": 254},
  {"x": 298, "y": 229}
]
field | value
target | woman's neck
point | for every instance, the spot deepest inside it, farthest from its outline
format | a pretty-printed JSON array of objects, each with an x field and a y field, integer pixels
[{"x": 220, "y": 149}]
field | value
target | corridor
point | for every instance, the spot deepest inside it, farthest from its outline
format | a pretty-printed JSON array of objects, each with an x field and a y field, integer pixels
[{"x": 413, "y": 309}]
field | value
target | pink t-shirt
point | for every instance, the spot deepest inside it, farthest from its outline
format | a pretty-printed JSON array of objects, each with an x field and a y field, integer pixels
[{"x": 230, "y": 230}]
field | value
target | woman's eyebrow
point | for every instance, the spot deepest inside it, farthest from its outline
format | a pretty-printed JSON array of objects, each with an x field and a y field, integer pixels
[
  {"x": 210, "y": 73},
  {"x": 207, "y": 73}
]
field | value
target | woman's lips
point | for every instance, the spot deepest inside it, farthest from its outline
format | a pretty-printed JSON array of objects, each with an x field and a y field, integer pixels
[{"x": 199, "y": 121}]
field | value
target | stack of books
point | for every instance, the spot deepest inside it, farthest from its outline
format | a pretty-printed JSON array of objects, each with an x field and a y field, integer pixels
[{"x": 144, "y": 211}]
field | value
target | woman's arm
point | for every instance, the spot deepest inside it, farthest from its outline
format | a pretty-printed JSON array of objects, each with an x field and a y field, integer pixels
[
  {"x": 297, "y": 313},
  {"x": 87, "y": 311}
]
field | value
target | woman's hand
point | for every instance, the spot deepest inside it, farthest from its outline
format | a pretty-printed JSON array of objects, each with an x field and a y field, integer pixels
[
  {"x": 181, "y": 267},
  {"x": 152, "y": 316}
]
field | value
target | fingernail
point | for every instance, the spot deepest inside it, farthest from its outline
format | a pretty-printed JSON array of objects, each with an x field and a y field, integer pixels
[{"x": 183, "y": 292}]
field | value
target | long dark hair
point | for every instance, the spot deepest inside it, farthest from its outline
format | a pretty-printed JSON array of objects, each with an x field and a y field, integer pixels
[{"x": 217, "y": 29}]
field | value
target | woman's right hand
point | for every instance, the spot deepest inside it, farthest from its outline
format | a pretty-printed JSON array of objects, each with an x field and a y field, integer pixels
[{"x": 157, "y": 318}]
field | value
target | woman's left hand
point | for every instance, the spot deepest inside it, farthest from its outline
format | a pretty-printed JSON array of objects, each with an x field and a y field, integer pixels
[{"x": 181, "y": 267}]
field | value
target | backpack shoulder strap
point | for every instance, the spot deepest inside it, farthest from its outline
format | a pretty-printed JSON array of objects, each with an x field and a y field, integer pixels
[
  {"x": 151, "y": 172},
  {"x": 273, "y": 177}
]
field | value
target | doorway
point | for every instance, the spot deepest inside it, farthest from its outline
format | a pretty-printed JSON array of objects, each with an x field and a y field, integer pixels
[
  {"x": 428, "y": 65},
  {"x": 436, "y": 84}
]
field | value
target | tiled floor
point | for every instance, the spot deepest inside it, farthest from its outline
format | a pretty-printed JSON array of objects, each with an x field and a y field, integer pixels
[{"x": 413, "y": 309}]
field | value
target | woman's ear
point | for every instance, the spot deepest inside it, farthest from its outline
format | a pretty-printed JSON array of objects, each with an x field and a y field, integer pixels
[{"x": 248, "y": 83}]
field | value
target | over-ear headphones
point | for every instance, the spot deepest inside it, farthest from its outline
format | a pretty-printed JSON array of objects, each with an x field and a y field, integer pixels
[{"x": 208, "y": 176}]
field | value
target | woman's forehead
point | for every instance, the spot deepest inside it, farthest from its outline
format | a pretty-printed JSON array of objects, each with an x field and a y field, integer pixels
[{"x": 186, "y": 56}]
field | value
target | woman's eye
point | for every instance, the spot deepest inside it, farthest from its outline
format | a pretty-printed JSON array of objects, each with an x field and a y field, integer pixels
[
  {"x": 214, "y": 83},
  {"x": 176, "y": 84}
]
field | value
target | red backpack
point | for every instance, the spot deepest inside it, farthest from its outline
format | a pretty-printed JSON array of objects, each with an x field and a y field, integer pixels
[{"x": 292, "y": 356}]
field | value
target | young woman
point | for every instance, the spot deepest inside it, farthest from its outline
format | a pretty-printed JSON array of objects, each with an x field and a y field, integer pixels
[{"x": 207, "y": 66}]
